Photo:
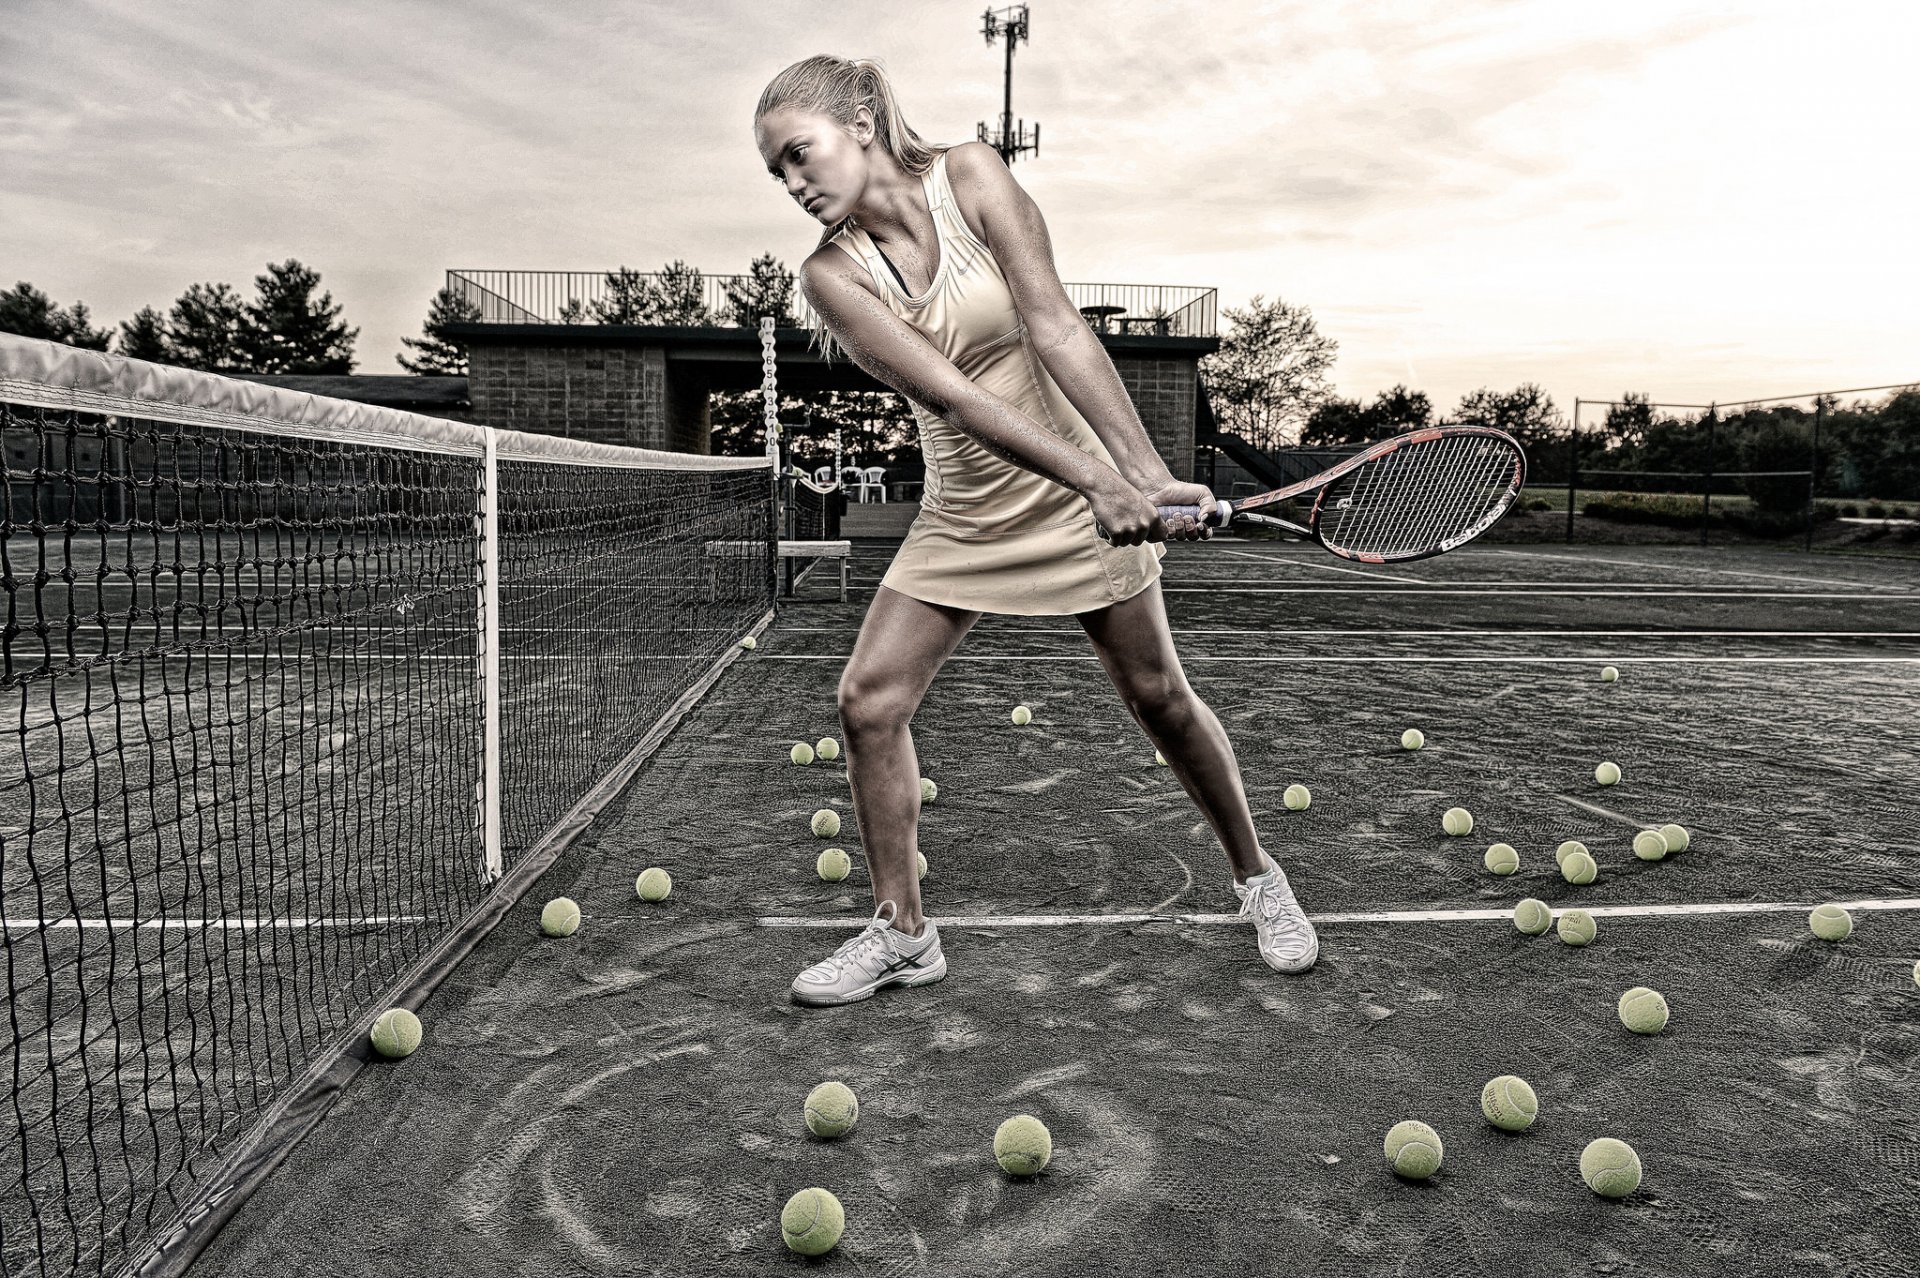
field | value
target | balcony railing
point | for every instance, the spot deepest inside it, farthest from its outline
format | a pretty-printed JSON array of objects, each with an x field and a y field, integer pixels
[{"x": 633, "y": 297}]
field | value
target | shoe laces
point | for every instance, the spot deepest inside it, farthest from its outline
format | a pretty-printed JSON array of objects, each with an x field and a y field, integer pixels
[
  {"x": 1269, "y": 902},
  {"x": 874, "y": 933}
]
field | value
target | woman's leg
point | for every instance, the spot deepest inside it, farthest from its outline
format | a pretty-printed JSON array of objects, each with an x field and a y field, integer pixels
[
  {"x": 903, "y": 643},
  {"x": 1136, "y": 648}
]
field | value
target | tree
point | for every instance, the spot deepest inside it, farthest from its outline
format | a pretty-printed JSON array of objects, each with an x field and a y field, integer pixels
[
  {"x": 27, "y": 311},
  {"x": 1526, "y": 413},
  {"x": 1270, "y": 372},
  {"x": 145, "y": 337},
  {"x": 203, "y": 328},
  {"x": 767, "y": 290},
  {"x": 289, "y": 330},
  {"x": 1343, "y": 421},
  {"x": 434, "y": 351},
  {"x": 675, "y": 295}
]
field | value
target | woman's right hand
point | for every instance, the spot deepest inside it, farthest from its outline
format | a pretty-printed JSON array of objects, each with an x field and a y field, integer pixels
[{"x": 1126, "y": 515}]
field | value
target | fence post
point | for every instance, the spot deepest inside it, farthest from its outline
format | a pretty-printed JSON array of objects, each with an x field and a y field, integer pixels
[
  {"x": 1706, "y": 494},
  {"x": 1813, "y": 470},
  {"x": 1573, "y": 468}
]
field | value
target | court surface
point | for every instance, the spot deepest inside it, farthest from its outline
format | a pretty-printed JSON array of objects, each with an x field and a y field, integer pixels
[{"x": 628, "y": 1100}]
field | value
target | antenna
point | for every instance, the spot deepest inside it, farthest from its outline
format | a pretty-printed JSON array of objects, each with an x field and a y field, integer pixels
[{"x": 1012, "y": 141}]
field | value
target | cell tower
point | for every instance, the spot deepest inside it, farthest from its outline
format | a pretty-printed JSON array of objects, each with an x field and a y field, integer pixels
[{"x": 1012, "y": 141}]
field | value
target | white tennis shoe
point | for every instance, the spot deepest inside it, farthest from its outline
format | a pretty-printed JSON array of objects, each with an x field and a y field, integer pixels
[
  {"x": 879, "y": 956},
  {"x": 1287, "y": 940}
]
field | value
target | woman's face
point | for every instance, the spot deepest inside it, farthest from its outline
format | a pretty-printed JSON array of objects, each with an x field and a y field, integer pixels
[{"x": 818, "y": 162}]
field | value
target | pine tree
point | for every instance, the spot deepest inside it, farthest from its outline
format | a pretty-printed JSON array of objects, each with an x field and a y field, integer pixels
[
  {"x": 434, "y": 351},
  {"x": 27, "y": 311},
  {"x": 145, "y": 337},
  {"x": 767, "y": 290},
  {"x": 203, "y": 329},
  {"x": 289, "y": 330}
]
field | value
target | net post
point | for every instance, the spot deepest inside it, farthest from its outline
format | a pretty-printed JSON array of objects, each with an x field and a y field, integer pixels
[
  {"x": 770, "y": 403},
  {"x": 1573, "y": 468},
  {"x": 1813, "y": 469},
  {"x": 490, "y": 661}
]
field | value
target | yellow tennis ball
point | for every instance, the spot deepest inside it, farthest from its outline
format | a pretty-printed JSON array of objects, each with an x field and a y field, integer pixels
[
  {"x": 396, "y": 1033},
  {"x": 928, "y": 791},
  {"x": 1022, "y": 1145},
  {"x": 826, "y": 823},
  {"x": 1579, "y": 868},
  {"x": 833, "y": 865},
  {"x": 831, "y": 1109},
  {"x": 1412, "y": 739},
  {"x": 1502, "y": 859},
  {"x": 1022, "y": 716},
  {"x": 1607, "y": 774},
  {"x": 1650, "y": 845},
  {"x": 812, "y": 1222},
  {"x": 1676, "y": 836},
  {"x": 1610, "y": 1167},
  {"x": 1457, "y": 821},
  {"x": 920, "y": 865},
  {"x": 1830, "y": 922},
  {"x": 749, "y": 643},
  {"x": 1159, "y": 758},
  {"x": 653, "y": 884},
  {"x": 1608, "y": 674},
  {"x": 1413, "y": 1149},
  {"x": 802, "y": 753},
  {"x": 1297, "y": 798},
  {"x": 1561, "y": 853},
  {"x": 1577, "y": 927},
  {"x": 1643, "y": 1011},
  {"x": 1916, "y": 972},
  {"x": 827, "y": 748},
  {"x": 1509, "y": 1103},
  {"x": 1532, "y": 916},
  {"x": 560, "y": 917}
]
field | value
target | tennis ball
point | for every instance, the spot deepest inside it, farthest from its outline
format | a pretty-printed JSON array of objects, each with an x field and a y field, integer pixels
[
  {"x": 801, "y": 753},
  {"x": 1561, "y": 853},
  {"x": 1457, "y": 821},
  {"x": 832, "y": 1109},
  {"x": 1412, "y": 739},
  {"x": 1676, "y": 836},
  {"x": 1022, "y": 1145},
  {"x": 1509, "y": 1103},
  {"x": 1607, "y": 774},
  {"x": 1022, "y": 716},
  {"x": 1413, "y": 1149},
  {"x": 833, "y": 865},
  {"x": 1579, "y": 868},
  {"x": 653, "y": 884},
  {"x": 827, "y": 748},
  {"x": 1610, "y": 1167},
  {"x": 1297, "y": 798},
  {"x": 1608, "y": 674},
  {"x": 1532, "y": 916},
  {"x": 561, "y": 917},
  {"x": 1650, "y": 845},
  {"x": 1159, "y": 758},
  {"x": 812, "y": 1222},
  {"x": 1830, "y": 922},
  {"x": 1502, "y": 859},
  {"x": 396, "y": 1033},
  {"x": 1643, "y": 1011},
  {"x": 1916, "y": 972},
  {"x": 1576, "y": 927},
  {"x": 928, "y": 791},
  {"x": 749, "y": 643},
  {"x": 920, "y": 866},
  {"x": 826, "y": 823}
]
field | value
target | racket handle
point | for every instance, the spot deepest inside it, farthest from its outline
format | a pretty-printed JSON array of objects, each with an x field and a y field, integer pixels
[{"x": 1216, "y": 515}]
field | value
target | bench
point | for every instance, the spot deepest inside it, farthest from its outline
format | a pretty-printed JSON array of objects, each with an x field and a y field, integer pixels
[{"x": 788, "y": 551}]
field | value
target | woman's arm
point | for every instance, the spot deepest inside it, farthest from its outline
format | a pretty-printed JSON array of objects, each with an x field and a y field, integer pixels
[
  {"x": 894, "y": 353},
  {"x": 1017, "y": 234}
]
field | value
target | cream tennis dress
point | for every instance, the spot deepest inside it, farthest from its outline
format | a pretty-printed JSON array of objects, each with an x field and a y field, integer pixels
[{"x": 992, "y": 536}]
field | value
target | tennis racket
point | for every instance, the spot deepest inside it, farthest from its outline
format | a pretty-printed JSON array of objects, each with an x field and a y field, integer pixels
[{"x": 1415, "y": 495}]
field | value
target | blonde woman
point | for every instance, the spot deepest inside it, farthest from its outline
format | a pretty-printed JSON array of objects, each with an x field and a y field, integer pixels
[{"x": 936, "y": 276}]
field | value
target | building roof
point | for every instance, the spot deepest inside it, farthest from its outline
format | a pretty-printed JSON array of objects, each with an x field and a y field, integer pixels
[{"x": 389, "y": 390}]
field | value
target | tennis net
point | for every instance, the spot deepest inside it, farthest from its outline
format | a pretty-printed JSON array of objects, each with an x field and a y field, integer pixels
[{"x": 289, "y": 685}]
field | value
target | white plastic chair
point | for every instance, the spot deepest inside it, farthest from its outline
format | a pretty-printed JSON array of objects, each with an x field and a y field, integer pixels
[
  {"x": 854, "y": 479},
  {"x": 874, "y": 477},
  {"x": 823, "y": 475}
]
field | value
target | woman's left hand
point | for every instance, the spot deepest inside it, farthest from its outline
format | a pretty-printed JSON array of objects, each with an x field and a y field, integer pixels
[{"x": 1175, "y": 493}]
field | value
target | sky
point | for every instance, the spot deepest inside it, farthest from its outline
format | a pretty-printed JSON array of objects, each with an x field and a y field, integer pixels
[{"x": 1696, "y": 201}]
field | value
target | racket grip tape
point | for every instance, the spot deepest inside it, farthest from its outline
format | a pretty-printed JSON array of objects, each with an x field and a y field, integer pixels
[{"x": 1217, "y": 515}]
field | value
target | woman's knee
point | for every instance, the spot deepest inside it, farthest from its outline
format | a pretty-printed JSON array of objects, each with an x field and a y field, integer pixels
[{"x": 869, "y": 704}]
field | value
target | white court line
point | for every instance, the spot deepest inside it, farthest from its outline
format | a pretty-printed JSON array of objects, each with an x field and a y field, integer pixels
[
  {"x": 1710, "y": 568},
  {"x": 1290, "y": 632},
  {"x": 1381, "y": 916},
  {"x": 225, "y": 924},
  {"x": 1598, "y": 658},
  {"x": 1234, "y": 588},
  {"x": 1305, "y": 562}
]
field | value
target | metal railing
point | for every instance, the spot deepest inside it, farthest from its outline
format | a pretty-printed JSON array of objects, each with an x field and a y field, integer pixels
[{"x": 634, "y": 297}]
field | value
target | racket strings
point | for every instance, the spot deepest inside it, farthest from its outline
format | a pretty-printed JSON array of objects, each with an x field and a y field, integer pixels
[{"x": 1419, "y": 497}]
